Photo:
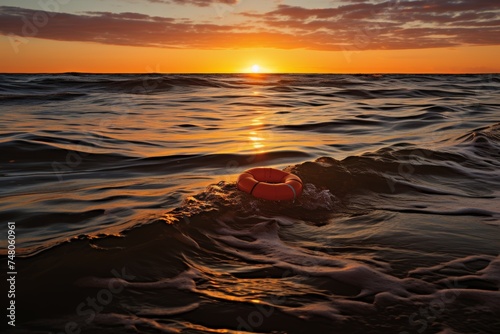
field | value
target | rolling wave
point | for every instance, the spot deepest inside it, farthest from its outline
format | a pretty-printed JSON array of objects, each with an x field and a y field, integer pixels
[{"x": 79, "y": 84}]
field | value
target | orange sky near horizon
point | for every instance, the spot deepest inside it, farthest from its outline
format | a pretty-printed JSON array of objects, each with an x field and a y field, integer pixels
[
  {"x": 231, "y": 36},
  {"x": 57, "y": 57}
]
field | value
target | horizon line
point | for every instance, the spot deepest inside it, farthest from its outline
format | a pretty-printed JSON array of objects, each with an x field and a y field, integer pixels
[{"x": 258, "y": 74}]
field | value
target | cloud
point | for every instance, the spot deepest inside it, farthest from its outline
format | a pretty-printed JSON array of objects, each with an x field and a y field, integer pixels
[
  {"x": 135, "y": 30},
  {"x": 199, "y": 3},
  {"x": 354, "y": 24},
  {"x": 393, "y": 24}
]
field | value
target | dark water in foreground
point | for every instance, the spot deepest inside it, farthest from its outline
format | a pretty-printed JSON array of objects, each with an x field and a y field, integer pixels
[{"x": 128, "y": 219}]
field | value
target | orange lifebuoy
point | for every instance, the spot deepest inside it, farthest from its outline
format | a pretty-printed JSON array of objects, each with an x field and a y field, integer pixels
[{"x": 271, "y": 184}]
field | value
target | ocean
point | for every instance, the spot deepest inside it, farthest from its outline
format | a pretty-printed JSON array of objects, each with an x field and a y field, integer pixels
[{"x": 121, "y": 192}]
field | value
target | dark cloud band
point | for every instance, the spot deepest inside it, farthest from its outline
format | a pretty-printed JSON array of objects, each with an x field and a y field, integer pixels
[{"x": 359, "y": 25}]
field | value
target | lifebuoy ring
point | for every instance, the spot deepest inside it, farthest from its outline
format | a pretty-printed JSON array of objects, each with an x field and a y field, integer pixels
[{"x": 271, "y": 184}]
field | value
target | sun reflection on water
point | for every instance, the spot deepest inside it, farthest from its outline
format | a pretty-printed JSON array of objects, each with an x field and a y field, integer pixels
[{"x": 256, "y": 137}]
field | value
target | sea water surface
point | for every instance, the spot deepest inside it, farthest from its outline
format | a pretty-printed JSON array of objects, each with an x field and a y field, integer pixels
[{"x": 128, "y": 219}]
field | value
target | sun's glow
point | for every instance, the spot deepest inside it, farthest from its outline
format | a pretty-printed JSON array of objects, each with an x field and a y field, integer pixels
[{"x": 255, "y": 68}]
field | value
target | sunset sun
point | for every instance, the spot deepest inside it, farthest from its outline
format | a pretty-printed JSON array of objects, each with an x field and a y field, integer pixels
[{"x": 256, "y": 68}]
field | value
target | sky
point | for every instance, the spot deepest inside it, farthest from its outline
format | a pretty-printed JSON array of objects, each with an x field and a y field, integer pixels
[{"x": 234, "y": 36}]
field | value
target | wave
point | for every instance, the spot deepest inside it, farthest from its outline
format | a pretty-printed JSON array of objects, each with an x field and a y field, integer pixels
[
  {"x": 384, "y": 180},
  {"x": 58, "y": 87},
  {"x": 62, "y": 96},
  {"x": 222, "y": 249},
  {"x": 487, "y": 137},
  {"x": 396, "y": 229},
  {"x": 132, "y": 84},
  {"x": 328, "y": 126},
  {"x": 348, "y": 254},
  {"x": 40, "y": 152},
  {"x": 34, "y": 151}
]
